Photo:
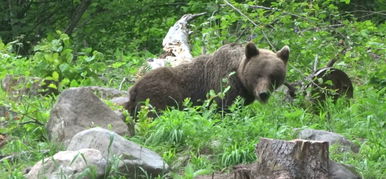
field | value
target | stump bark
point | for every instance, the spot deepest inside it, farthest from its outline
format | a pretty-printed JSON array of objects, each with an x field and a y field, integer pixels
[
  {"x": 292, "y": 159},
  {"x": 296, "y": 159},
  {"x": 279, "y": 159}
]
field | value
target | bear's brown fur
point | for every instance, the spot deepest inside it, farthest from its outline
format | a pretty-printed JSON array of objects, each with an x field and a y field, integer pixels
[{"x": 258, "y": 72}]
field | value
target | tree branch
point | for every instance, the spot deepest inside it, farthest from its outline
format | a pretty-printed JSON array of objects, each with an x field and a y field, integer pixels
[
  {"x": 241, "y": 13},
  {"x": 262, "y": 7},
  {"x": 332, "y": 61}
]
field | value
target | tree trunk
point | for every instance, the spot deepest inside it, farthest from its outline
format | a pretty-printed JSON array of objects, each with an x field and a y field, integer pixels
[
  {"x": 11, "y": 19},
  {"x": 77, "y": 15}
]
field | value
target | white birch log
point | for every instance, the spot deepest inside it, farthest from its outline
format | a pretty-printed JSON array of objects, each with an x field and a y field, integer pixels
[{"x": 176, "y": 44}]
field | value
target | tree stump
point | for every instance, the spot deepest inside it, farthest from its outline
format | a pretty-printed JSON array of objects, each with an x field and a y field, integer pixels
[
  {"x": 296, "y": 159},
  {"x": 292, "y": 159},
  {"x": 287, "y": 160}
]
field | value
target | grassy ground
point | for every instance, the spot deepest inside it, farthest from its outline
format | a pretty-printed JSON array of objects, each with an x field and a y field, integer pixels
[
  {"x": 214, "y": 141},
  {"x": 200, "y": 139}
]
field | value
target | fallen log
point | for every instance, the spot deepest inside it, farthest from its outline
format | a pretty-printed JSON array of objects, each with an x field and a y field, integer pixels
[
  {"x": 176, "y": 44},
  {"x": 323, "y": 83},
  {"x": 328, "y": 82}
]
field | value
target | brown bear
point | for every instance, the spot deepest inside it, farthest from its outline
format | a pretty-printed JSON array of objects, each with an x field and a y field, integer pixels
[{"x": 257, "y": 73}]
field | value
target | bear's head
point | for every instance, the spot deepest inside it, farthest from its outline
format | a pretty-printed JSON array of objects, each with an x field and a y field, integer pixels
[{"x": 262, "y": 71}]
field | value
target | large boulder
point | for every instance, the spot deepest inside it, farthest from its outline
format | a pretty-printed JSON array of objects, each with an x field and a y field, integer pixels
[
  {"x": 341, "y": 171},
  {"x": 332, "y": 138},
  {"x": 70, "y": 164},
  {"x": 106, "y": 93},
  {"x": 78, "y": 109},
  {"x": 19, "y": 86},
  {"x": 120, "y": 101},
  {"x": 16, "y": 86},
  {"x": 132, "y": 155}
]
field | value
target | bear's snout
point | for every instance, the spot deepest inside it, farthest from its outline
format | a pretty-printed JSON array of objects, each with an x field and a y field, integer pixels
[
  {"x": 262, "y": 90},
  {"x": 264, "y": 96}
]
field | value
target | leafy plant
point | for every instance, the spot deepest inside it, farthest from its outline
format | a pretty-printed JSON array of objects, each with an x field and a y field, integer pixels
[{"x": 316, "y": 31}]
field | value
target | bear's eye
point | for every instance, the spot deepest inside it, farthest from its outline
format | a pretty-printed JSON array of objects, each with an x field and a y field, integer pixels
[
  {"x": 275, "y": 83},
  {"x": 273, "y": 77},
  {"x": 276, "y": 80}
]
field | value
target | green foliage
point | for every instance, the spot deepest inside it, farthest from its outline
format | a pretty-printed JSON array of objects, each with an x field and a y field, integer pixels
[
  {"x": 113, "y": 38},
  {"x": 26, "y": 135},
  {"x": 55, "y": 60}
]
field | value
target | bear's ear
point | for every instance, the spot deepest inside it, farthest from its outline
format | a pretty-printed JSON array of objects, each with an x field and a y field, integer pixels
[
  {"x": 284, "y": 53},
  {"x": 251, "y": 50}
]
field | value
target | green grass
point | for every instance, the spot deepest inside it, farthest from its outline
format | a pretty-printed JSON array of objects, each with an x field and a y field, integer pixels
[
  {"x": 215, "y": 142},
  {"x": 209, "y": 141}
]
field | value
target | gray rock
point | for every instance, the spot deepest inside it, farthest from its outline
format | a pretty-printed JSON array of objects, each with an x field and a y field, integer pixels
[
  {"x": 18, "y": 86},
  {"x": 105, "y": 93},
  {"x": 78, "y": 109},
  {"x": 333, "y": 138},
  {"x": 132, "y": 155},
  {"x": 6, "y": 112},
  {"x": 286, "y": 93},
  {"x": 120, "y": 101},
  {"x": 130, "y": 124},
  {"x": 340, "y": 171},
  {"x": 70, "y": 164}
]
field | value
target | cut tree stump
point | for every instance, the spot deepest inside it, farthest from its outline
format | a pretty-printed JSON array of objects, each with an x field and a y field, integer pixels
[
  {"x": 279, "y": 159},
  {"x": 292, "y": 159}
]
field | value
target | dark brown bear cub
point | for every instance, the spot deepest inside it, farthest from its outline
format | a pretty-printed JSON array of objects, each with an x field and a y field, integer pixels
[{"x": 258, "y": 73}]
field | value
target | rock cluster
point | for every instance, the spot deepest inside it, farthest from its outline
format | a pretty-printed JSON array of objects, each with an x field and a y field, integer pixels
[{"x": 92, "y": 135}]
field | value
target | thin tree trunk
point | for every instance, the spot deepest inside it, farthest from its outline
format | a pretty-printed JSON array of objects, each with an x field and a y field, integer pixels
[
  {"x": 77, "y": 15},
  {"x": 11, "y": 18}
]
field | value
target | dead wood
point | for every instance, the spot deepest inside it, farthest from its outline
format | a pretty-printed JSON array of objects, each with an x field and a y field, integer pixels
[
  {"x": 328, "y": 82},
  {"x": 176, "y": 45}
]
